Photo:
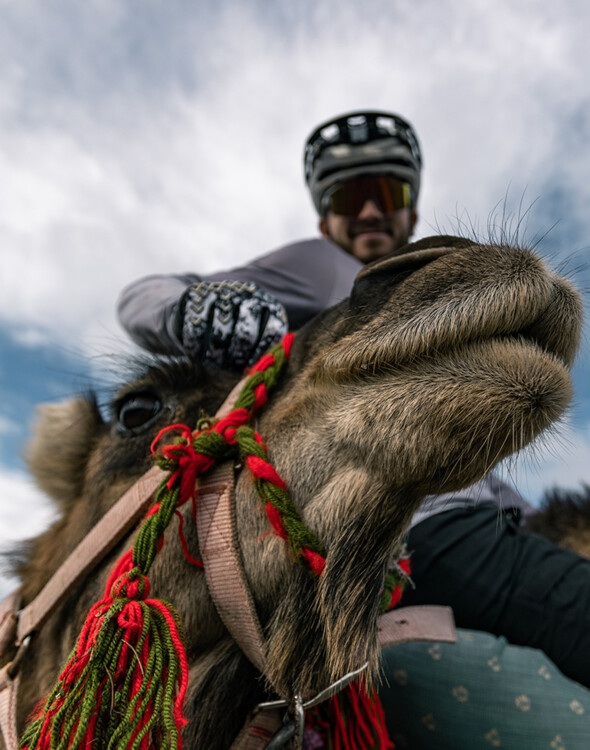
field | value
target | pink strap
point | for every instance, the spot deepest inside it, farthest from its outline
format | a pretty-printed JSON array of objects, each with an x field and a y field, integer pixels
[
  {"x": 226, "y": 580},
  {"x": 222, "y": 560},
  {"x": 108, "y": 531},
  {"x": 8, "y": 619},
  {"x": 258, "y": 731},
  {"x": 8, "y": 693},
  {"x": 422, "y": 623}
]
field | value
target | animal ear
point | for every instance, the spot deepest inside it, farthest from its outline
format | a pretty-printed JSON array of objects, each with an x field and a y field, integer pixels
[{"x": 57, "y": 454}]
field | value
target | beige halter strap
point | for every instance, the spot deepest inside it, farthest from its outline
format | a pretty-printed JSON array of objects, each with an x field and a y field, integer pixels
[{"x": 222, "y": 561}]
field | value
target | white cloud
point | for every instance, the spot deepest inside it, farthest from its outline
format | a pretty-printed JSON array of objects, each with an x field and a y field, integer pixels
[
  {"x": 7, "y": 426},
  {"x": 559, "y": 459},
  {"x": 204, "y": 176},
  {"x": 169, "y": 138},
  {"x": 24, "y": 512}
]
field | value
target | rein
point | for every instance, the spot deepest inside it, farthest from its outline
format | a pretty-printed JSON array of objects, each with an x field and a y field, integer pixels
[{"x": 129, "y": 647}]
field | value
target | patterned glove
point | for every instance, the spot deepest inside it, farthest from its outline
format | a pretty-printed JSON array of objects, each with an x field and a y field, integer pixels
[{"x": 230, "y": 323}]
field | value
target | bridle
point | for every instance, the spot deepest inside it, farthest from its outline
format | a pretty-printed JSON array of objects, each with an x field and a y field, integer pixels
[{"x": 221, "y": 557}]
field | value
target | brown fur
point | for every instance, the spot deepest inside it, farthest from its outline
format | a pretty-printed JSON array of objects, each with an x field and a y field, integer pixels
[
  {"x": 564, "y": 518},
  {"x": 442, "y": 363}
]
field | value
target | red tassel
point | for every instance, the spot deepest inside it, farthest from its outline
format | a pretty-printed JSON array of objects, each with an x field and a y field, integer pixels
[
  {"x": 351, "y": 720},
  {"x": 126, "y": 679}
]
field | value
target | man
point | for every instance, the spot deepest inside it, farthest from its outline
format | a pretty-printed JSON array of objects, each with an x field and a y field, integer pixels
[{"x": 363, "y": 171}]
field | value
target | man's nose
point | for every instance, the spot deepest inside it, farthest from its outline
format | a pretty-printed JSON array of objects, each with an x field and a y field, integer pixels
[{"x": 370, "y": 210}]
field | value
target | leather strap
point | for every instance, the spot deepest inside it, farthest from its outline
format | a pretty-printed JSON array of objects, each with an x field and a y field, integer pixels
[
  {"x": 8, "y": 694},
  {"x": 222, "y": 560},
  {"x": 420, "y": 623},
  {"x": 8, "y": 619},
  {"x": 226, "y": 580},
  {"x": 111, "y": 528},
  {"x": 258, "y": 731}
]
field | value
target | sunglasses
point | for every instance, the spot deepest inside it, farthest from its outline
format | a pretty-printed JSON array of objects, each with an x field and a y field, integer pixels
[{"x": 348, "y": 198}]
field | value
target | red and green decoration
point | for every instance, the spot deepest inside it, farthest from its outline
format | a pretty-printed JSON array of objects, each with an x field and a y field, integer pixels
[{"x": 124, "y": 684}]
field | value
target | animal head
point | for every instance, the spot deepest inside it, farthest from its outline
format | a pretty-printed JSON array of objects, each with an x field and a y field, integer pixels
[{"x": 442, "y": 362}]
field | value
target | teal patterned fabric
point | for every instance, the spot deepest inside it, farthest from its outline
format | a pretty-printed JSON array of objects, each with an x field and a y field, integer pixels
[{"x": 481, "y": 693}]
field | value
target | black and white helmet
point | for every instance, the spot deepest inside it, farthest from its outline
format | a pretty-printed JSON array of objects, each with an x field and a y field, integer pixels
[{"x": 361, "y": 143}]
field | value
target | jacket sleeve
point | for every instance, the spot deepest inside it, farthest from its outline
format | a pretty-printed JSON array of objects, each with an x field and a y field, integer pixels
[
  {"x": 489, "y": 490},
  {"x": 306, "y": 277}
]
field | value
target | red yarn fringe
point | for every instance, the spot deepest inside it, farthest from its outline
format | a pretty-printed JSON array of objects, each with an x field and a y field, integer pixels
[
  {"x": 351, "y": 720},
  {"x": 71, "y": 716}
]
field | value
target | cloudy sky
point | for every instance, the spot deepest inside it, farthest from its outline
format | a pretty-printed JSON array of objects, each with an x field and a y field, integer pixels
[{"x": 141, "y": 136}]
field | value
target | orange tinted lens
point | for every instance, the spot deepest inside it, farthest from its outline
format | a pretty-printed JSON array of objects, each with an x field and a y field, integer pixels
[{"x": 388, "y": 193}]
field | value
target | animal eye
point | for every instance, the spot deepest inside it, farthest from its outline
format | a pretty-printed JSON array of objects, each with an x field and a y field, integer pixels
[{"x": 137, "y": 411}]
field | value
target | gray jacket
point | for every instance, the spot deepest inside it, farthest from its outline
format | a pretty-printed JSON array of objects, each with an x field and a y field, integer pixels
[{"x": 306, "y": 277}]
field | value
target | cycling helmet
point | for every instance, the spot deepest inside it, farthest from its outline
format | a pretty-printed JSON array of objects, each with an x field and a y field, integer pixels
[{"x": 361, "y": 143}]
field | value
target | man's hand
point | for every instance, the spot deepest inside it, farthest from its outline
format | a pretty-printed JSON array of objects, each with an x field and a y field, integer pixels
[{"x": 230, "y": 323}]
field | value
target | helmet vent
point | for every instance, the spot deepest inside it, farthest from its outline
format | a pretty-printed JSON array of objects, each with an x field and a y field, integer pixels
[
  {"x": 387, "y": 124},
  {"x": 358, "y": 129},
  {"x": 331, "y": 132}
]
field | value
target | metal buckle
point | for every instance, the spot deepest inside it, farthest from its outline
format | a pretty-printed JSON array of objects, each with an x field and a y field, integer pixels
[
  {"x": 294, "y": 719},
  {"x": 13, "y": 667},
  {"x": 292, "y": 729}
]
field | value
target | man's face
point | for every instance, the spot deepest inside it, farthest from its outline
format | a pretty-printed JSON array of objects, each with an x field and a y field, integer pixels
[{"x": 372, "y": 232}]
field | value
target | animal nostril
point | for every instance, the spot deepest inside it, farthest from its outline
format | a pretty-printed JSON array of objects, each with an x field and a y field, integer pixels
[{"x": 406, "y": 263}]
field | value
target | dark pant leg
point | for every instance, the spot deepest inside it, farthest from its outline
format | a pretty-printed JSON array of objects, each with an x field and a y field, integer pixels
[{"x": 504, "y": 581}]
